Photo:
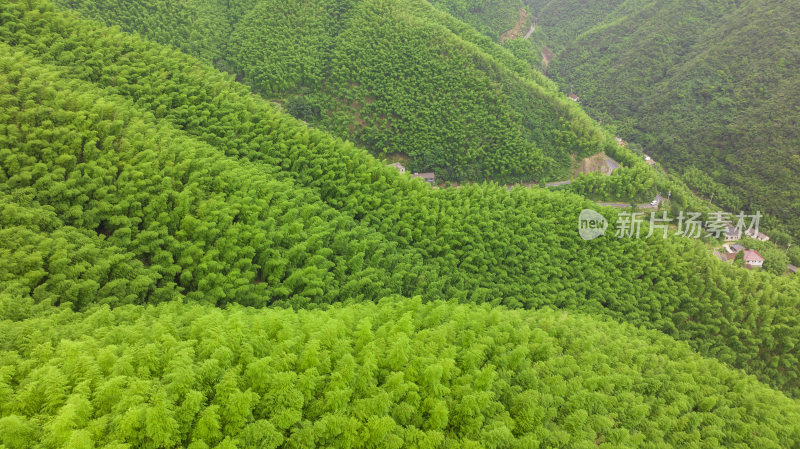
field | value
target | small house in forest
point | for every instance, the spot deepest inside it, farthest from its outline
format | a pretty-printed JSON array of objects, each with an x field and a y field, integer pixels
[
  {"x": 399, "y": 167},
  {"x": 657, "y": 200},
  {"x": 752, "y": 258},
  {"x": 731, "y": 251},
  {"x": 753, "y": 234},
  {"x": 732, "y": 233},
  {"x": 736, "y": 248},
  {"x": 574, "y": 98},
  {"x": 427, "y": 177}
]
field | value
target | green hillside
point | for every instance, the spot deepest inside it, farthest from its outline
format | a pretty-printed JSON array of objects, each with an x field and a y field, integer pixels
[
  {"x": 706, "y": 87},
  {"x": 253, "y": 207},
  {"x": 492, "y": 18},
  {"x": 396, "y": 374},
  {"x": 157, "y": 219},
  {"x": 396, "y": 77},
  {"x": 414, "y": 73}
]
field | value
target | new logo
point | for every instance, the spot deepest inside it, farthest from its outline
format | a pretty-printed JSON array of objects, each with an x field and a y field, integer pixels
[{"x": 591, "y": 224}]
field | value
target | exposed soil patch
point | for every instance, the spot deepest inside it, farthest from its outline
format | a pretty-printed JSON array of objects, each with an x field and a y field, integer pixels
[
  {"x": 547, "y": 56},
  {"x": 356, "y": 108},
  {"x": 514, "y": 32},
  {"x": 594, "y": 163}
]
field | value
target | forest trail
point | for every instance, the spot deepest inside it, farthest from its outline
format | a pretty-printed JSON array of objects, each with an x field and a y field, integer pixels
[
  {"x": 534, "y": 184},
  {"x": 528, "y": 34},
  {"x": 612, "y": 164},
  {"x": 558, "y": 183},
  {"x": 627, "y": 205},
  {"x": 596, "y": 163}
]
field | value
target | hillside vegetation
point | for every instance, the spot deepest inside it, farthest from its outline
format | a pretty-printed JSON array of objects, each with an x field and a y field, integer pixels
[
  {"x": 178, "y": 255},
  {"x": 396, "y": 374},
  {"x": 396, "y": 77},
  {"x": 417, "y": 69},
  {"x": 704, "y": 86},
  {"x": 203, "y": 190}
]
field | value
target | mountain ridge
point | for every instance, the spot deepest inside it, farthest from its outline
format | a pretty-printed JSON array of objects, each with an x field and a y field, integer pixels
[{"x": 444, "y": 118}]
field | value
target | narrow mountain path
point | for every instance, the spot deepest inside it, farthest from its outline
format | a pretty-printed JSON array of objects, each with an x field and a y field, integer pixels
[
  {"x": 558, "y": 183},
  {"x": 528, "y": 34},
  {"x": 612, "y": 164},
  {"x": 627, "y": 205}
]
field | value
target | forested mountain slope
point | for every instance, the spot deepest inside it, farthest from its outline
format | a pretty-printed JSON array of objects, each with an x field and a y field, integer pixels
[
  {"x": 392, "y": 76},
  {"x": 372, "y": 55},
  {"x": 177, "y": 181},
  {"x": 492, "y": 17},
  {"x": 142, "y": 192},
  {"x": 708, "y": 87},
  {"x": 388, "y": 375}
]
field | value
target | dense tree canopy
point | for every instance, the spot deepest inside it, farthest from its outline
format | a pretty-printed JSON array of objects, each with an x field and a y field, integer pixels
[
  {"x": 706, "y": 86},
  {"x": 142, "y": 192},
  {"x": 388, "y": 375},
  {"x": 393, "y": 76},
  {"x": 210, "y": 192}
]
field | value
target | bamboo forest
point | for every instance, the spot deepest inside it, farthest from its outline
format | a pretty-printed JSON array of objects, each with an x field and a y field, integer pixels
[{"x": 206, "y": 242}]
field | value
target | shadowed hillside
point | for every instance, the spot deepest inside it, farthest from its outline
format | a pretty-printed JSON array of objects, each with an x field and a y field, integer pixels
[
  {"x": 393, "y": 77},
  {"x": 706, "y": 87}
]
